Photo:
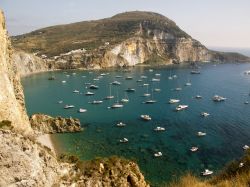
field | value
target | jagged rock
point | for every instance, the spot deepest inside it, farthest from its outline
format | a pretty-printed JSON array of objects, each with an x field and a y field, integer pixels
[{"x": 47, "y": 124}]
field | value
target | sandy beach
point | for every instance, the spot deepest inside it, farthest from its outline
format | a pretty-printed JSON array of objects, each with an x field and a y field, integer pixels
[{"x": 46, "y": 140}]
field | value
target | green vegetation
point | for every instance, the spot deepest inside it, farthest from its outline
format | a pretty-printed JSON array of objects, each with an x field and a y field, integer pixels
[{"x": 90, "y": 35}]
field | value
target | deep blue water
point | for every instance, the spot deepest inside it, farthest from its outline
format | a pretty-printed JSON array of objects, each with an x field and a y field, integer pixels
[{"x": 227, "y": 127}]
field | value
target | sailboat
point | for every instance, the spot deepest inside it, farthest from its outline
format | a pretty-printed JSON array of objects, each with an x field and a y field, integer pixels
[
  {"x": 125, "y": 99},
  {"x": 151, "y": 101},
  {"x": 188, "y": 83},
  {"x": 117, "y": 104},
  {"x": 109, "y": 96},
  {"x": 146, "y": 94}
]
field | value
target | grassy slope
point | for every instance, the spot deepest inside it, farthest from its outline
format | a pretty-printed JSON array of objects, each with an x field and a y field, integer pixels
[{"x": 91, "y": 34}]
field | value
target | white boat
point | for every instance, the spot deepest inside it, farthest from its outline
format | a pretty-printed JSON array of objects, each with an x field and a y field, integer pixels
[
  {"x": 158, "y": 154},
  {"x": 181, "y": 107},
  {"x": 93, "y": 87},
  {"x": 116, "y": 83},
  {"x": 241, "y": 165},
  {"x": 157, "y": 90},
  {"x": 87, "y": 83},
  {"x": 130, "y": 90},
  {"x": 174, "y": 76},
  {"x": 144, "y": 77},
  {"x": 178, "y": 89},
  {"x": 76, "y": 91},
  {"x": 201, "y": 134},
  {"x": 218, "y": 98},
  {"x": 247, "y": 72},
  {"x": 124, "y": 140},
  {"x": 146, "y": 84},
  {"x": 198, "y": 97},
  {"x": 129, "y": 78},
  {"x": 205, "y": 114},
  {"x": 139, "y": 80},
  {"x": 206, "y": 172},
  {"x": 146, "y": 117},
  {"x": 103, "y": 74},
  {"x": 89, "y": 93},
  {"x": 118, "y": 76},
  {"x": 157, "y": 74},
  {"x": 109, "y": 96},
  {"x": 194, "y": 149},
  {"x": 170, "y": 78},
  {"x": 68, "y": 106},
  {"x": 60, "y": 102},
  {"x": 120, "y": 124},
  {"x": 246, "y": 102},
  {"x": 188, "y": 84},
  {"x": 63, "y": 81},
  {"x": 95, "y": 102},
  {"x": 173, "y": 101},
  {"x": 159, "y": 129},
  {"x": 81, "y": 110},
  {"x": 195, "y": 72},
  {"x": 156, "y": 80},
  {"x": 150, "y": 70},
  {"x": 245, "y": 147},
  {"x": 150, "y": 101},
  {"x": 146, "y": 94},
  {"x": 117, "y": 105},
  {"x": 125, "y": 99}
]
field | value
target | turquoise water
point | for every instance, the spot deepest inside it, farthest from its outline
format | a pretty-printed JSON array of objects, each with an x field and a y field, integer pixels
[{"x": 227, "y": 127}]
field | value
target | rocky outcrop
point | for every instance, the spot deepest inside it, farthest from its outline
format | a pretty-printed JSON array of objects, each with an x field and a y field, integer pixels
[
  {"x": 11, "y": 93},
  {"x": 29, "y": 64},
  {"x": 49, "y": 125}
]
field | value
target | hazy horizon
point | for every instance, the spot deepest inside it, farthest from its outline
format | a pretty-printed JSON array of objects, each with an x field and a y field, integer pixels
[{"x": 223, "y": 24}]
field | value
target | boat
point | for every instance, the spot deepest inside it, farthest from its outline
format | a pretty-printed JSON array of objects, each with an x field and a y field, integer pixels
[
  {"x": 109, "y": 96},
  {"x": 120, "y": 124},
  {"x": 181, "y": 107},
  {"x": 175, "y": 76},
  {"x": 130, "y": 90},
  {"x": 146, "y": 84},
  {"x": 170, "y": 78},
  {"x": 151, "y": 101},
  {"x": 198, "y": 97},
  {"x": 150, "y": 70},
  {"x": 144, "y": 77},
  {"x": 157, "y": 90},
  {"x": 89, "y": 93},
  {"x": 241, "y": 165},
  {"x": 173, "y": 101},
  {"x": 68, "y": 106},
  {"x": 159, "y": 129},
  {"x": 218, "y": 98},
  {"x": 139, "y": 80},
  {"x": 156, "y": 80},
  {"x": 247, "y": 72},
  {"x": 146, "y": 117},
  {"x": 146, "y": 94},
  {"x": 178, "y": 89},
  {"x": 246, "y": 102},
  {"x": 63, "y": 81},
  {"x": 92, "y": 86},
  {"x": 125, "y": 99},
  {"x": 76, "y": 91},
  {"x": 95, "y": 102},
  {"x": 103, "y": 74},
  {"x": 124, "y": 140},
  {"x": 116, "y": 83},
  {"x": 81, "y": 110},
  {"x": 129, "y": 78},
  {"x": 201, "y": 134},
  {"x": 118, "y": 76},
  {"x": 117, "y": 105},
  {"x": 188, "y": 84},
  {"x": 195, "y": 72},
  {"x": 194, "y": 149},
  {"x": 60, "y": 102},
  {"x": 206, "y": 172},
  {"x": 158, "y": 154},
  {"x": 157, "y": 74},
  {"x": 205, "y": 114},
  {"x": 87, "y": 83},
  {"x": 245, "y": 147},
  {"x": 96, "y": 79}
]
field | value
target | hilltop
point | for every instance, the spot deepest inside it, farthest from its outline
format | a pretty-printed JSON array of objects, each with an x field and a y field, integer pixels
[{"x": 125, "y": 39}]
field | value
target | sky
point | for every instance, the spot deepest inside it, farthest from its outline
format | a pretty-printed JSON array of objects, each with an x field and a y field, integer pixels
[{"x": 215, "y": 23}]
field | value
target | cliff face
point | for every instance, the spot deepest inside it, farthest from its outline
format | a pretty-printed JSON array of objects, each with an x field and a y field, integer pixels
[
  {"x": 27, "y": 63},
  {"x": 125, "y": 39},
  {"x": 11, "y": 93}
]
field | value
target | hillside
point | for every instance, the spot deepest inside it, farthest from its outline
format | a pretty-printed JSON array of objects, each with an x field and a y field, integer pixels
[{"x": 125, "y": 39}]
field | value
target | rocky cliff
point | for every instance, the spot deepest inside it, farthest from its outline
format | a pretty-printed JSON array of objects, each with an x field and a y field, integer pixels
[
  {"x": 125, "y": 39},
  {"x": 27, "y": 63},
  {"x": 49, "y": 125},
  {"x": 11, "y": 93}
]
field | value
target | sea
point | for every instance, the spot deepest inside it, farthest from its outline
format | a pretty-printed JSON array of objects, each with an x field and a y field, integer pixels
[{"x": 227, "y": 127}]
